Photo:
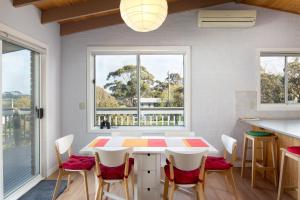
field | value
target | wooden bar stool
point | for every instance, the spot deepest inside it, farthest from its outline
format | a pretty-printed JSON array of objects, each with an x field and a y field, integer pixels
[
  {"x": 293, "y": 153},
  {"x": 264, "y": 138}
]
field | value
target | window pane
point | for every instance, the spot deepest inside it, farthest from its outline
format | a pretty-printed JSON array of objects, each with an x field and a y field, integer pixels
[
  {"x": 293, "y": 72},
  {"x": 116, "y": 90},
  {"x": 272, "y": 79},
  {"x": 162, "y": 90}
]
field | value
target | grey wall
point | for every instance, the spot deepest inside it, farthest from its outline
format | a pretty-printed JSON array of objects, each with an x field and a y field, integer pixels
[
  {"x": 27, "y": 20},
  {"x": 223, "y": 67}
]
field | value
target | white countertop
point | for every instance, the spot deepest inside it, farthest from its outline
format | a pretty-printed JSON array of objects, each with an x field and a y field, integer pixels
[{"x": 290, "y": 127}]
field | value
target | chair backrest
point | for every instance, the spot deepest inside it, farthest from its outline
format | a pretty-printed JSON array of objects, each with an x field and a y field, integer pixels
[
  {"x": 132, "y": 134},
  {"x": 179, "y": 134},
  {"x": 64, "y": 144},
  {"x": 112, "y": 157},
  {"x": 186, "y": 161},
  {"x": 229, "y": 143}
]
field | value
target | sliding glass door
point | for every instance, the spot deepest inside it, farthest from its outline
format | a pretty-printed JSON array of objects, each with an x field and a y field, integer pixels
[{"x": 20, "y": 124}]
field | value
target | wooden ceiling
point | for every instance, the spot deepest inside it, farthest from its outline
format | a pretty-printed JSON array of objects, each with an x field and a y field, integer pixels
[{"x": 81, "y": 15}]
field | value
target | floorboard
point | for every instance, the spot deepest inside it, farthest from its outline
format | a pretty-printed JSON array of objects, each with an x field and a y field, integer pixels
[{"x": 215, "y": 190}]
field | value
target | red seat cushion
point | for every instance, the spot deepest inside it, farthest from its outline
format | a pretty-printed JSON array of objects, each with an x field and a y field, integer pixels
[
  {"x": 181, "y": 176},
  {"x": 113, "y": 173},
  {"x": 217, "y": 163},
  {"x": 294, "y": 149},
  {"x": 78, "y": 163}
]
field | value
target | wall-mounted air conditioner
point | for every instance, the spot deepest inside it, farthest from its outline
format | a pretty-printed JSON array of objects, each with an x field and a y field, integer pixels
[{"x": 226, "y": 18}]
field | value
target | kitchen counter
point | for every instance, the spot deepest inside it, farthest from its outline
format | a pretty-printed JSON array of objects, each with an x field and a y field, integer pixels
[{"x": 289, "y": 127}]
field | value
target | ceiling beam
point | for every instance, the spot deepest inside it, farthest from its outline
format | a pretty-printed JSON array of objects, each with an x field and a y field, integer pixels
[
  {"x": 19, "y": 3},
  {"x": 113, "y": 19},
  {"x": 77, "y": 10}
]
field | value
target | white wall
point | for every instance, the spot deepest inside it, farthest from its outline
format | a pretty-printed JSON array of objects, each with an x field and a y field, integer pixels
[
  {"x": 223, "y": 62},
  {"x": 27, "y": 21}
]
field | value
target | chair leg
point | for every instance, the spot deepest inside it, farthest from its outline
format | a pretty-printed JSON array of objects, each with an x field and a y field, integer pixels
[
  {"x": 57, "y": 185},
  {"x": 273, "y": 149},
  {"x": 231, "y": 178},
  {"x": 84, "y": 174},
  {"x": 166, "y": 188},
  {"x": 108, "y": 187},
  {"x": 200, "y": 191},
  {"x": 99, "y": 192},
  {"x": 173, "y": 187},
  {"x": 282, "y": 171},
  {"x": 132, "y": 182},
  {"x": 69, "y": 182},
  {"x": 244, "y": 156},
  {"x": 253, "y": 178},
  {"x": 126, "y": 188}
]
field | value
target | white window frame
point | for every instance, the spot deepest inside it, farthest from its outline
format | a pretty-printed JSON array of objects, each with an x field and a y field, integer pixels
[
  {"x": 185, "y": 50},
  {"x": 279, "y": 106}
]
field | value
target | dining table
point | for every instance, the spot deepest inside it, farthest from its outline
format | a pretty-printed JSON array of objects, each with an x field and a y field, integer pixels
[{"x": 148, "y": 153}]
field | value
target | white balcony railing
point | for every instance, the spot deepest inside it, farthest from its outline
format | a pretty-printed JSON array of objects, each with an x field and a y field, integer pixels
[{"x": 152, "y": 116}]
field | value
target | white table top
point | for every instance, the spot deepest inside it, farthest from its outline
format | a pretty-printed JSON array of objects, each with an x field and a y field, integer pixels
[
  {"x": 286, "y": 127},
  {"x": 172, "y": 142}
]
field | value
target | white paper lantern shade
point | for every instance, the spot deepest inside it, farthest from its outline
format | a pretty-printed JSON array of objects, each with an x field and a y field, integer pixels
[{"x": 144, "y": 15}]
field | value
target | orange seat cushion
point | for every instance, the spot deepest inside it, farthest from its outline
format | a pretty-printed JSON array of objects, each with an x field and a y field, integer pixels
[
  {"x": 217, "y": 163},
  {"x": 183, "y": 177},
  {"x": 114, "y": 173},
  {"x": 294, "y": 149},
  {"x": 78, "y": 163}
]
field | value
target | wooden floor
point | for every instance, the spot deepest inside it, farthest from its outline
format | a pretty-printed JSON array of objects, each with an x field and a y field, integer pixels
[{"x": 215, "y": 190}]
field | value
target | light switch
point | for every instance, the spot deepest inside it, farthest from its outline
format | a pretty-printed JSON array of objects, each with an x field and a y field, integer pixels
[{"x": 82, "y": 105}]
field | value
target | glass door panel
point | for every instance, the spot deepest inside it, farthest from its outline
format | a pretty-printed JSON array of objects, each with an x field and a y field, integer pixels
[{"x": 21, "y": 132}]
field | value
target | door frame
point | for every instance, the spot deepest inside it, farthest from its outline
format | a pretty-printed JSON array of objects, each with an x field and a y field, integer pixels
[{"x": 15, "y": 36}]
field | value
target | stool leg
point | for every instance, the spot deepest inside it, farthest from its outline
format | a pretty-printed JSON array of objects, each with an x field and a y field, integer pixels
[
  {"x": 264, "y": 156},
  {"x": 253, "y": 178},
  {"x": 244, "y": 156},
  {"x": 282, "y": 170},
  {"x": 273, "y": 149}
]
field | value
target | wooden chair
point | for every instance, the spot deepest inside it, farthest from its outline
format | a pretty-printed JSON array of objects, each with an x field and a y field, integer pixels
[
  {"x": 264, "y": 138},
  {"x": 179, "y": 134},
  {"x": 220, "y": 165},
  {"x": 113, "y": 166},
  {"x": 294, "y": 154},
  {"x": 184, "y": 170},
  {"x": 74, "y": 164}
]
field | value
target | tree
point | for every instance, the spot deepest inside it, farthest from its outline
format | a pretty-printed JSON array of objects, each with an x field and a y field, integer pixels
[
  {"x": 293, "y": 74},
  {"x": 123, "y": 84},
  {"x": 22, "y": 102},
  {"x": 105, "y": 100},
  {"x": 272, "y": 87}
]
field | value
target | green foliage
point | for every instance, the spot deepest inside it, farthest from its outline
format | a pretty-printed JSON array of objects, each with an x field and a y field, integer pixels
[
  {"x": 294, "y": 81},
  {"x": 22, "y": 102},
  {"x": 104, "y": 100},
  {"x": 123, "y": 85},
  {"x": 272, "y": 88}
]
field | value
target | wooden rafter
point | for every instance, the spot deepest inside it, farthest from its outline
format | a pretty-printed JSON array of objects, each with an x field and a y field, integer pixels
[
  {"x": 115, "y": 18},
  {"x": 78, "y": 10},
  {"x": 19, "y": 3}
]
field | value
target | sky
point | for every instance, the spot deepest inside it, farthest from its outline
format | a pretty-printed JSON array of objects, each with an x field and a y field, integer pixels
[
  {"x": 275, "y": 65},
  {"x": 16, "y": 71},
  {"x": 158, "y": 65}
]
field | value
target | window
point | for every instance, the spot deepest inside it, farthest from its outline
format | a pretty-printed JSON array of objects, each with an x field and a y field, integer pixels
[
  {"x": 138, "y": 88},
  {"x": 279, "y": 79}
]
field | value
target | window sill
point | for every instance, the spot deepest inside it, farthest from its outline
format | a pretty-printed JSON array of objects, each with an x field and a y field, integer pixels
[
  {"x": 278, "y": 107},
  {"x": 144, "y": 130}
]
